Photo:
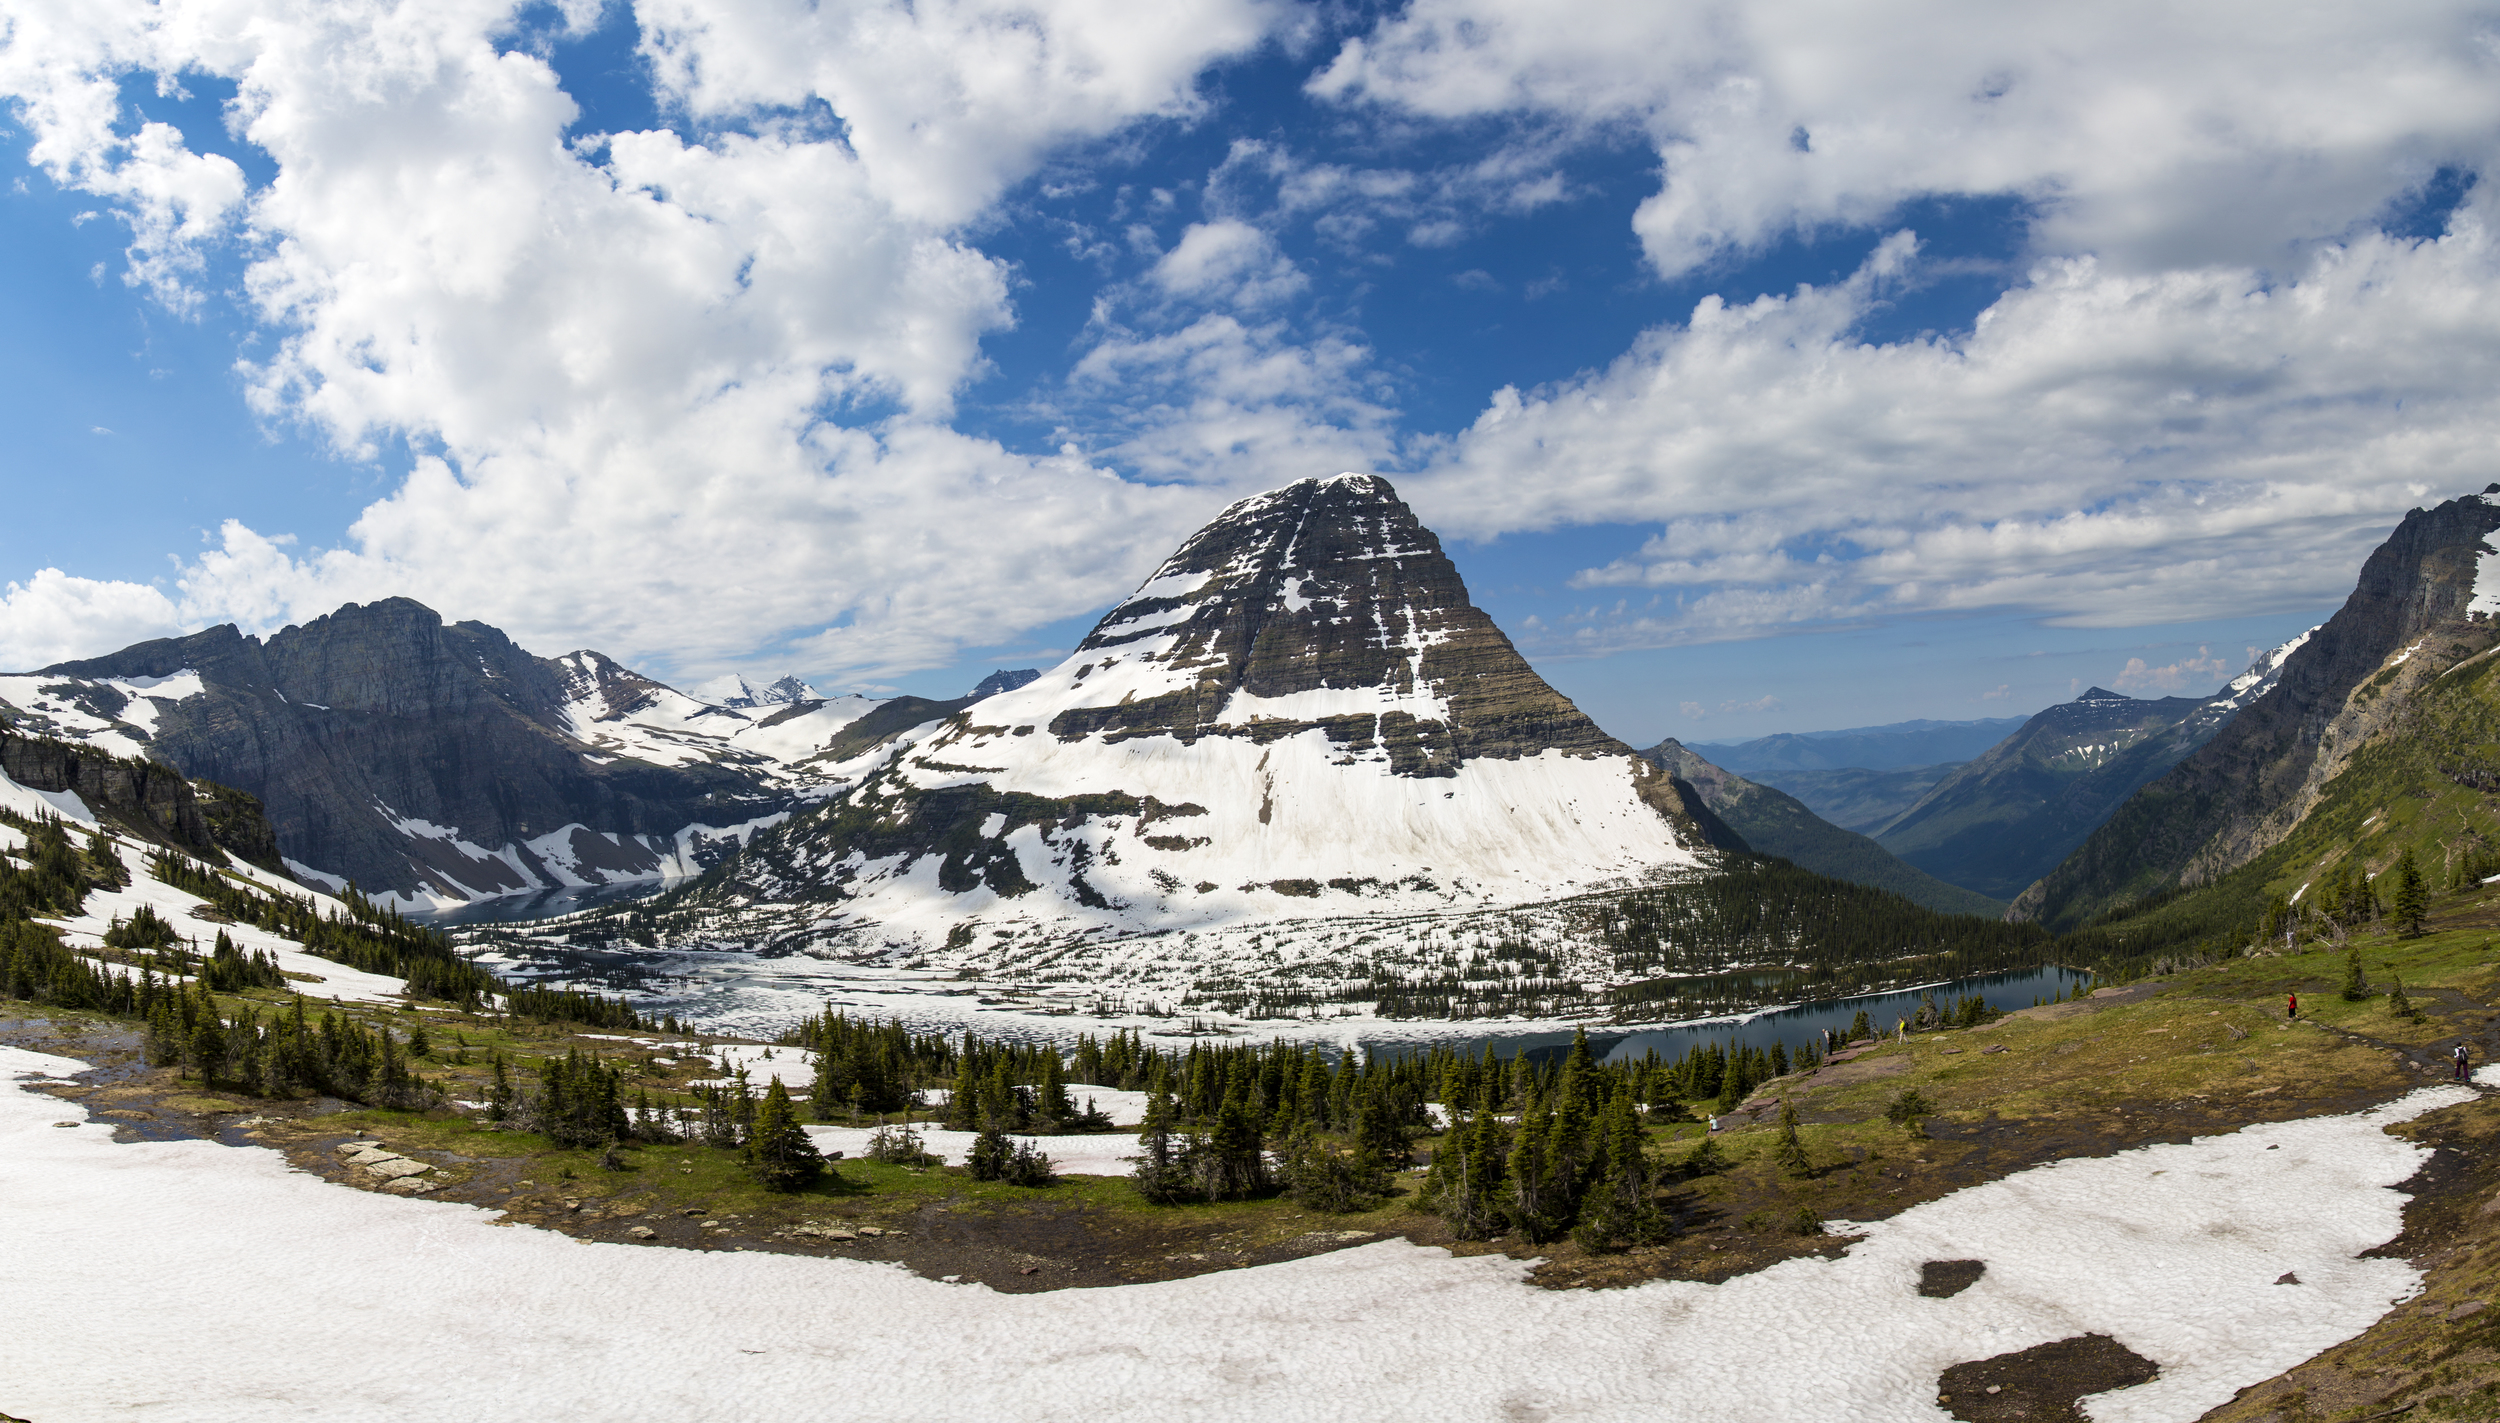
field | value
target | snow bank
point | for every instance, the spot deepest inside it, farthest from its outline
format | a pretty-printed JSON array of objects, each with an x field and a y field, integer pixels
[
  {"x": 1094, "y": 1154},
  {"x": 196, "y": 1281}
]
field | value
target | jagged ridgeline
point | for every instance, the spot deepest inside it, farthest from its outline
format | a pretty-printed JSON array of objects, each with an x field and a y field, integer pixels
[{"x": 2381, "y": 738}]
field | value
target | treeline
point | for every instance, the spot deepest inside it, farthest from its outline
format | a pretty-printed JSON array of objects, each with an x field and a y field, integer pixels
[
  {"x": 368, "y": 937},
  {"x": 1834, "y": 933}
]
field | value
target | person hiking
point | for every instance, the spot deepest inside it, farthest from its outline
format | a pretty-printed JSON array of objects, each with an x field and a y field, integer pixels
[
  {"x": 2291, "y": 1007},
  {"x": 2463, "y": 1059}
]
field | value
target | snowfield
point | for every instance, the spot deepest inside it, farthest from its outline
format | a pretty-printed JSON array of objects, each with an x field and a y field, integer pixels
[
  {"x": 85, "y": 929},
  {"x": 187, "y": 1280}
]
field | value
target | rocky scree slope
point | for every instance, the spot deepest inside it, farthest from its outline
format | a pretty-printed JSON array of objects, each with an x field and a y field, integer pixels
[
  {"x": 436, "y": 763},
  {"x": 1300, "y": 716},
  {"x": 1774, "y": 822},
  {"x": 2423, "y": 597}
]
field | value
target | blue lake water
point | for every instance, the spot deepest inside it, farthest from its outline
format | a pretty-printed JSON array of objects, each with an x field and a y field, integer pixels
[
  {"x": 546, "y": 904},
  {"x": 1794, "y": 1026}
]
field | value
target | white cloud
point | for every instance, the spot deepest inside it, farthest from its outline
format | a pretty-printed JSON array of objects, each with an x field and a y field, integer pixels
[
  {"x": 53, "y": 617},
  {"x": 2109, "y": 449},
  {"x": 674, "y": 396},
  {"x": 1230, "y": 262},
  {"x": 2188, "y": 675},
  {"x": 948, "y": 101},
  {"x": 2151, "y": 135}
]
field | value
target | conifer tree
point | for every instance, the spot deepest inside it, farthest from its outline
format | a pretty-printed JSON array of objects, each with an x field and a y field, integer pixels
[
  {"x": 1791, "y": 1152},
  {"x": 1468, "y": 1174},
  {"x": 1052, "y": 1112},
  {"x": 779, "y": 1154},
  {"x": 2356, "y": 984},
  {"x": 1159, "y": 1176},
  {"x": 2399, "y": 1004},
  {"x": 208, "y": 1044},
  {"x": 2412, "y": 904}
]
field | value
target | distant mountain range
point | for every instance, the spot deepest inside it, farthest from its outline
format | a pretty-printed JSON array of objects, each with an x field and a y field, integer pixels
[
  {"x": 1776, "y": 823},
  {"x": 437, "y": 764},
  {"x": 1902, "y": 744}
]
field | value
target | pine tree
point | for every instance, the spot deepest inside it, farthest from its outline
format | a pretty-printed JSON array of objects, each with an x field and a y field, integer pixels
[
  {"x": 2356, "y": 985},
  {"x": 1791, "y": 1152},
  {"x": 1159, "y": 1176},
  {"x": 779, "y": 1154},
  {"x": 2400, "y": 1005},
  {"x": 2412, "y": 905},
  {"x": 1052, "y": 1112}
]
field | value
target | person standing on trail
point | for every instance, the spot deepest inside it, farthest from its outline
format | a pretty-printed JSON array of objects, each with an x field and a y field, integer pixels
[
  {"x": 2463, "y": 1059},
  {"x": 2291, "y": 1006}
]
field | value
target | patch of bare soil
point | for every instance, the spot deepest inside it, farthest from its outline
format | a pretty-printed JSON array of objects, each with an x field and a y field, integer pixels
[{"x": 2042, "y": 1383}]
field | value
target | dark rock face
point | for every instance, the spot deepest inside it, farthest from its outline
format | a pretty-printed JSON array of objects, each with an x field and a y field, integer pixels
[
  {"x": 1999, "y": 822},
  {"x": 1773, "y": 822},
  {"x": 152, "y": 800},
  {"x": 381, "y": 713},
  {"x": 2242, "y": 791},
  {"x": 1334, "y": 584},
  {"x": 1005, "y": 680}
]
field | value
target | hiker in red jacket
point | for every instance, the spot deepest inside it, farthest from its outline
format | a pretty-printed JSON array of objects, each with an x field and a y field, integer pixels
[{"x": 2292, "y": 1008}]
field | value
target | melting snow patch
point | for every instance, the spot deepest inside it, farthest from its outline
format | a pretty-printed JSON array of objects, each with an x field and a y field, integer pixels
[{"x": 2171, "y": 1250}]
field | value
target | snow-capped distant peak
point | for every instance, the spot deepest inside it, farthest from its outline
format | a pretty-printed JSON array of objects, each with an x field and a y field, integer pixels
[
  {"x": 2260, "y": 677},
  {"x": 732, "y": 690}
]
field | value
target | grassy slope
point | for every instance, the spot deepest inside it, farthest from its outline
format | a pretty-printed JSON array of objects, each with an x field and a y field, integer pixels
[{"x": 2395, "y": 794}]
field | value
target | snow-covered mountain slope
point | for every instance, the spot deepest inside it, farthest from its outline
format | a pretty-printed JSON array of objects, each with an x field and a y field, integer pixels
[
  {"x": 435, "y": 763},
  {"x": 732, "y": 690},
  {"x": 1299, "y": 716}
]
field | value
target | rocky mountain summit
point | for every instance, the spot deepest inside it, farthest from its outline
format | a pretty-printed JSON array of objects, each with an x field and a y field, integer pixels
[
  {"x": 433, "y": 762},
  {"x": 2421, "y": 607},
  {"x": 734, "y": 691},
  {"x": 1299, "y": 714}
]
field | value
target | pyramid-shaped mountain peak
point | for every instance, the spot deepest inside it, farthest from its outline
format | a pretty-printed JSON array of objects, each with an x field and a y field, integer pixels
[
  {"x": 1324, "y": 604},
  {"x": 1299, "y": 714}
]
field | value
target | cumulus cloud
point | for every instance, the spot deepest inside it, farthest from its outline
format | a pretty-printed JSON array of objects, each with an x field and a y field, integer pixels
[
  {"x": 692, "y": 391},
  {"x": 2152, "y": 136},
  {"x": 1228, "y": 261},
  {"x": 52, "y": 617},
  {"x": 673, "y": 392},
  {"x": 2108, "y": 448},
  {"x": 2188, "y": 674}
]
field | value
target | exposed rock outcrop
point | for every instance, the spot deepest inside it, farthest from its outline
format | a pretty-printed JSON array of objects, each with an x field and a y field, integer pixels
[
  {"x": 2251, "y": 784},
  {"x": 416, "y": 757}
]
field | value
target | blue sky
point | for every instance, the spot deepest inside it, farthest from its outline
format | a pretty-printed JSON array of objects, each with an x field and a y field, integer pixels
[{"x": 1757, "y": 378}]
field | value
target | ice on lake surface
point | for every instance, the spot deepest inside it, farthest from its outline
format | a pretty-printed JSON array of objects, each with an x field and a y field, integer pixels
[{"x": 188, "y": 1280}]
